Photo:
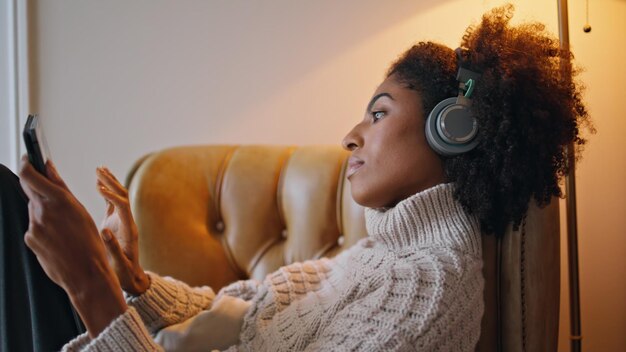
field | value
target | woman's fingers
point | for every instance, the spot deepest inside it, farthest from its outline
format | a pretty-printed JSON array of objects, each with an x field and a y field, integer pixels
[
  {"x": 32, "y": 195},
  {"x": 130, "y": 274},
  {"x": 31, "y": 237},
  {"x": 108, "y": 179},
  {"x": 110, "y": 242},
  {"x": 37, "y": 182},
  {"x": 114, "y": 198}
]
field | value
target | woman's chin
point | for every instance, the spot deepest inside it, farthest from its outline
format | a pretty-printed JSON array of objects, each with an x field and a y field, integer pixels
[{"x": 366, "y": 199}]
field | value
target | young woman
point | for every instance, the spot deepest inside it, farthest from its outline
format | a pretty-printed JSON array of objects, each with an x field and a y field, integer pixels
[{"x": 430, "y": 185}]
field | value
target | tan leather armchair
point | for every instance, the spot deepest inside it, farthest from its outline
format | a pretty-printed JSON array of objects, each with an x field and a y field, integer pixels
[{"x": 210, "y": 215}]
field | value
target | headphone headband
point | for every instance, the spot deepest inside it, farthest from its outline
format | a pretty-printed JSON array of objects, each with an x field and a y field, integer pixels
[{"x": 464, "y": 73}]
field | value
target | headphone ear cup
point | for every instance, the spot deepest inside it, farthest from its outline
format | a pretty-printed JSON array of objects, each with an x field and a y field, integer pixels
[{"x": 450, "y": 128}]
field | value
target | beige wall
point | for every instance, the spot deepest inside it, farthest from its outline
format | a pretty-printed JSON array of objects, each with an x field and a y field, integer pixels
[
  {"x": 118, "y": 79},
  {"x": 601, "y": 176}
]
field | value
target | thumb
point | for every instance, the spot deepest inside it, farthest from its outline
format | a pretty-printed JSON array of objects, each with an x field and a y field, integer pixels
[{"x": 112, "y": 246}]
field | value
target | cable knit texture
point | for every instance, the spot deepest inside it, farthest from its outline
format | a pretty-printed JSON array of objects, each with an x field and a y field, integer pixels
[
  {"x": 414, "y": 284},
  {"x": 166, "y": 302}
]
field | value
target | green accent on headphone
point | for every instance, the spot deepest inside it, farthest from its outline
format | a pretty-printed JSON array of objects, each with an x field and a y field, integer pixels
[{"x": 469, "y": 88}]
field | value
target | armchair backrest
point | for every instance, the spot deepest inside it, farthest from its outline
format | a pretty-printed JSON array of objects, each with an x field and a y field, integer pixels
[{"x": 211, "y": 215}]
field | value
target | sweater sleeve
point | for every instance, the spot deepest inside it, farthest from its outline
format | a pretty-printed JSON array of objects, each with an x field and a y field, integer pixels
[
  {"x": 169, "y": 301},
  {"x": 166, "y": 302},
  {"x": 126, "y": 333},
  {"x": 432, "y": 308},
  {"x": 216, "y": 328}
]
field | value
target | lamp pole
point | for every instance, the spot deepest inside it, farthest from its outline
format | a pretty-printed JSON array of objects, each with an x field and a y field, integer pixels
[{"x": 570, "y": 200}]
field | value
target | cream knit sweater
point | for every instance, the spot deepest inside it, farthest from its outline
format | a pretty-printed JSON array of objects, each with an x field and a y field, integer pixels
[{"x": 415, "y": 284}]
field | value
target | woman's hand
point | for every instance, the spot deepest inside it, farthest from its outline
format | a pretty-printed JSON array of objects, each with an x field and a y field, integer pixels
[
  {"x": 119, "y": 232},
  {"x": 65, "y": 240}
]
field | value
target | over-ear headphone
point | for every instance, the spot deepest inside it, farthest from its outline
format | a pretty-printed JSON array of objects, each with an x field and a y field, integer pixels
[{"x": 450, "y": 127}]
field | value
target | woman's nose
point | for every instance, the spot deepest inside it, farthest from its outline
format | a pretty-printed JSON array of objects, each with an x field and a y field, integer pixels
[{"x": 352, "y": 140}]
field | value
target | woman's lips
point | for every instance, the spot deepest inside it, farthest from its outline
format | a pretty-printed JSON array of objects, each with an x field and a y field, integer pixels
[{"x": 354, "y": 164}]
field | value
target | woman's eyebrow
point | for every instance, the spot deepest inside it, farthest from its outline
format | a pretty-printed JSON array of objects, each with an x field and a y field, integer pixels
[{"x": 369, "y": 106}]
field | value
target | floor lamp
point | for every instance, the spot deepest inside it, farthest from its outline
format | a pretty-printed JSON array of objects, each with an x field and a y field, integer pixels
[{"x": 570, "y": 201}]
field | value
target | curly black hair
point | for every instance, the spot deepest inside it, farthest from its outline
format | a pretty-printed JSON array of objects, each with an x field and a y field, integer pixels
[{"x": 528, "y": 109}]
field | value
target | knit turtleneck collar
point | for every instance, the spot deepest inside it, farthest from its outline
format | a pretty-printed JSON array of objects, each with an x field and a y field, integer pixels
[{"x": 429, "y": 218}]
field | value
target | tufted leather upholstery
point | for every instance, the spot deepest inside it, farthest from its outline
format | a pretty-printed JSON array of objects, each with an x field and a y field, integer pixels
[{"x": 210, "y": 215}]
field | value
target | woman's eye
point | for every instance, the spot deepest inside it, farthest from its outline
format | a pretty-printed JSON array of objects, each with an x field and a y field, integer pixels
[{"x": 377, "y": 115}]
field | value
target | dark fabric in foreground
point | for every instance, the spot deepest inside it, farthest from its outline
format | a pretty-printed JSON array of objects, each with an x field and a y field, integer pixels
[{"x": 36, "y": 314}]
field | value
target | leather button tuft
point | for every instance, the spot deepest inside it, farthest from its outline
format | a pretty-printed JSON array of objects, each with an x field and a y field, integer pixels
[
  {"x": 340, "y": 241},
  {"x": 284, "y": 233},
  {"x": 219, "y": 226}
]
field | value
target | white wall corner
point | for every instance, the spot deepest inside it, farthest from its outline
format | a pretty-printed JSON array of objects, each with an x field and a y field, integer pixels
[{"x": 15, "y": 88}]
